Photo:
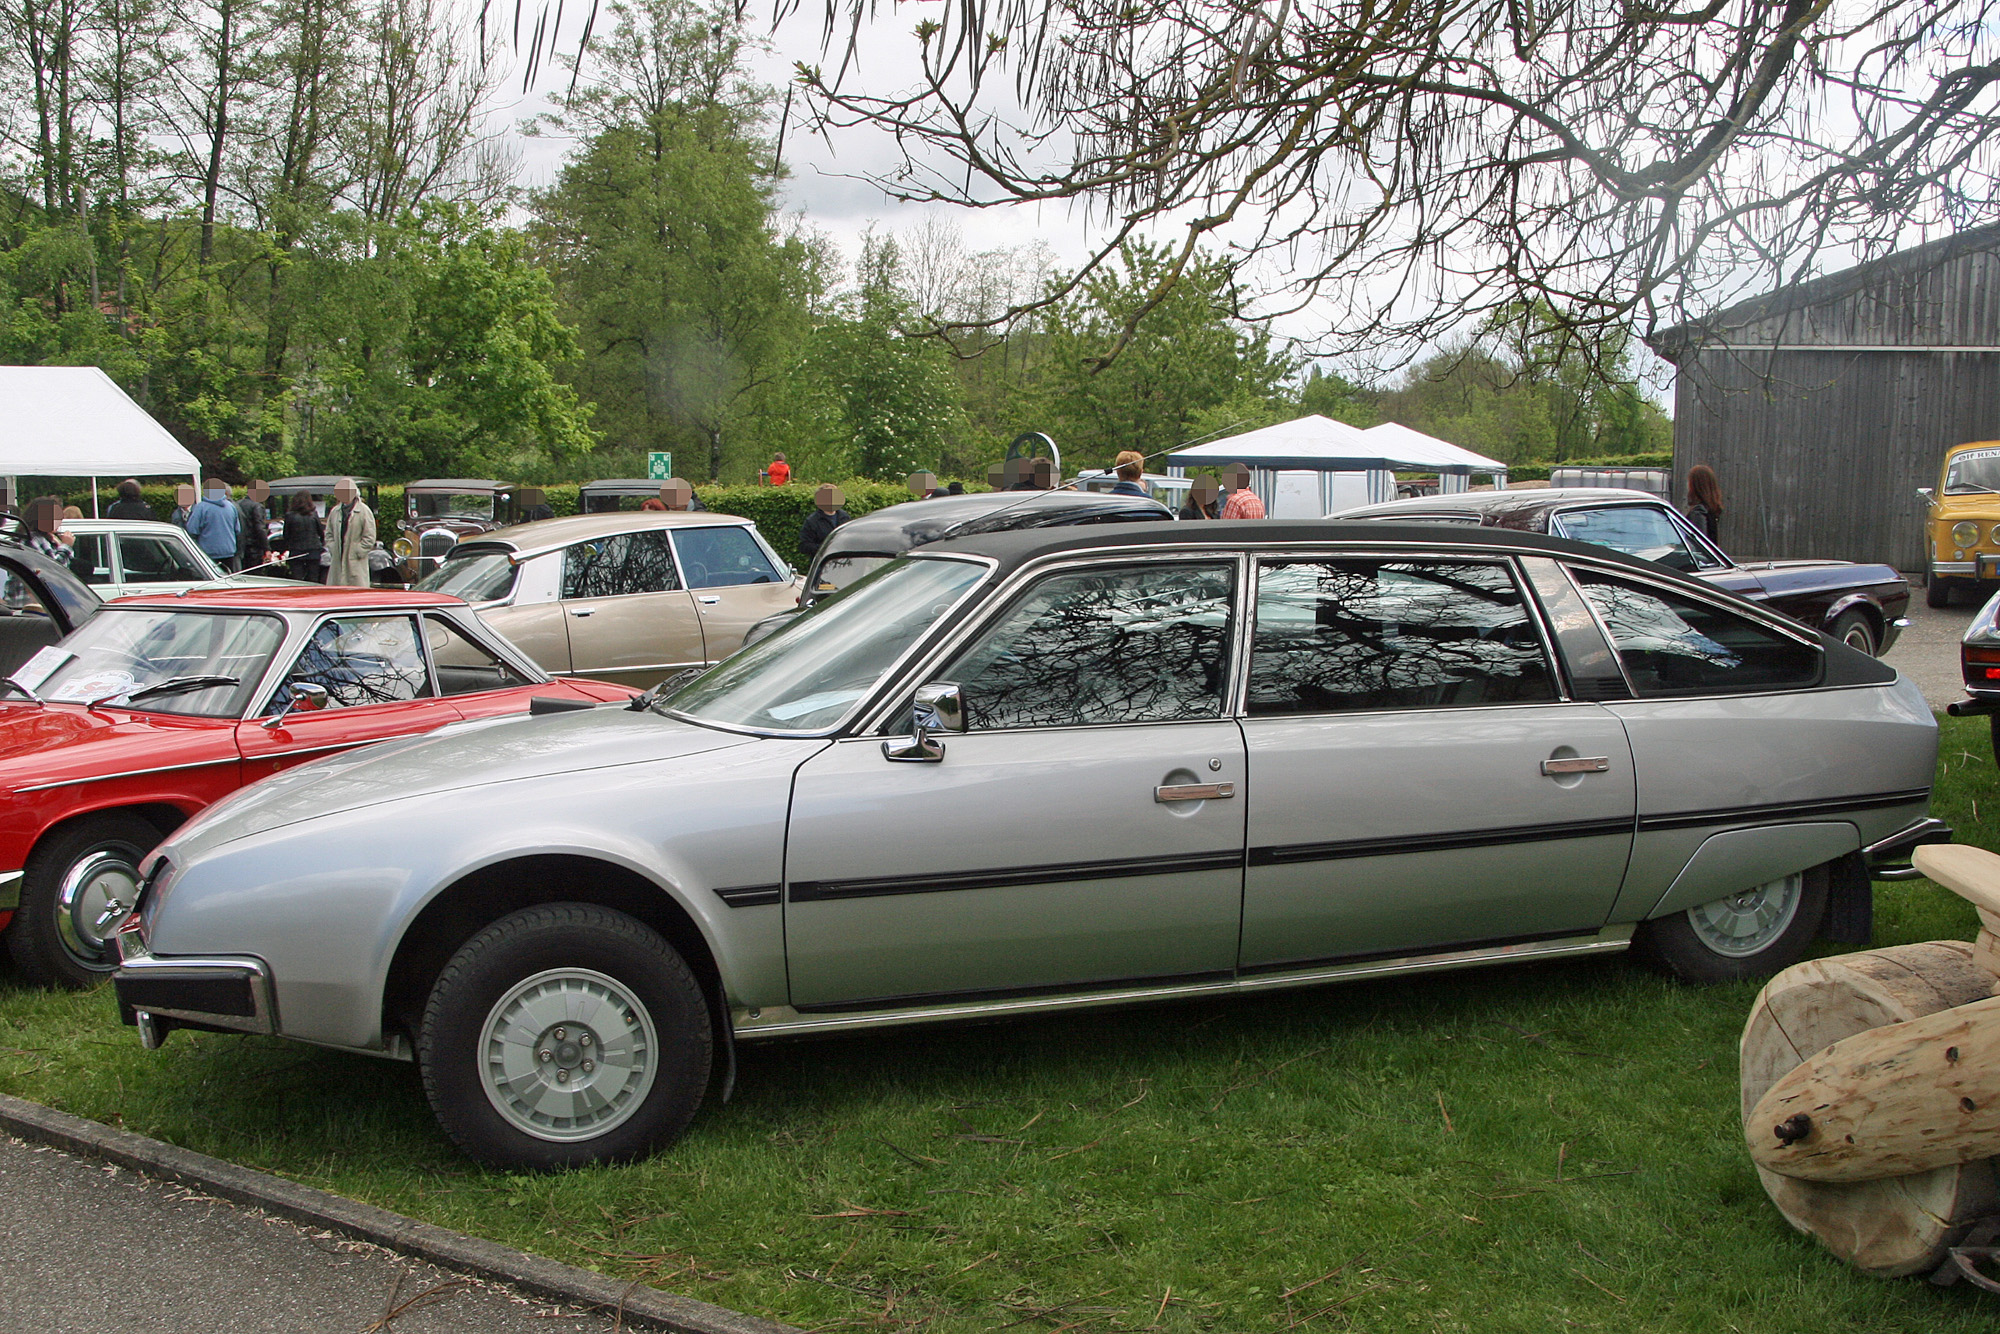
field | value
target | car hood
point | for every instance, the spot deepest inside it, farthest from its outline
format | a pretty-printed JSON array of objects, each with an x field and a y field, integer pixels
[
  {"x": 453, "y": 758},
  {"x": 64, "y": 743},
  {"x": 1852, "y": 571}
]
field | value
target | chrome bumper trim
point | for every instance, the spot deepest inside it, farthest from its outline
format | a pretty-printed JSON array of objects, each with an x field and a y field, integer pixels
[
  {"x": 1953, "y": 567},
  {"x": 10, "y": 890},
  {"x": 1889, "y": 858},
  {"x": 140, "y": 966},
  {"x": 783, "y": 1021}
]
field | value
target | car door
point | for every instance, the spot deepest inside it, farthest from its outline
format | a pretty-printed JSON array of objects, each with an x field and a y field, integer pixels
[
  {"x": 1086, "y": 830},
  {"x": 629, "y": 618},
  {"x": 91, "y": 561},
  {"x": 1419, "y": 780},
  {"x": 378, "y": 685},
  {"x": 159, "y": 563},
  {"x": 532, "y": 616},
  {"x": 735, "y": 583}
]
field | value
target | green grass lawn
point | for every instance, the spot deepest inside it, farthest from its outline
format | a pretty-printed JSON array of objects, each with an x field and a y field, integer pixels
[{"x": 1535, "y": 1149}]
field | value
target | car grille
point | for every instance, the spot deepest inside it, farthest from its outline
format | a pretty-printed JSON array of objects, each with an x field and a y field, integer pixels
[{"x": 435, "y": 542}]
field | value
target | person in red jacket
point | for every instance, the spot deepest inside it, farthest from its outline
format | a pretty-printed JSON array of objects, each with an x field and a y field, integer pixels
[{"x": 780, "y": 472}]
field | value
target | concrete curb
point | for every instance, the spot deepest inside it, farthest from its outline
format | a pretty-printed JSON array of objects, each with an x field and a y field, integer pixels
[{"x": 634, "y": 1302}]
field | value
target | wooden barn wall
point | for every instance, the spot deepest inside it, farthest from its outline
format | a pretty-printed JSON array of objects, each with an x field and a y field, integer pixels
[{"x": 1821, "y": 453}]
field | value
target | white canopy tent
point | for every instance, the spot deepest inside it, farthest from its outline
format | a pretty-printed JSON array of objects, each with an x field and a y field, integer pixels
[
  {"x": 1342, "y": 456},
  {"x": 73, "y": 421}
]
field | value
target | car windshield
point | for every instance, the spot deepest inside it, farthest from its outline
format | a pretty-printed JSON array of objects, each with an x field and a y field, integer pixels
[
  {"x": 452, "y": 505},
  {"x": 124, "y": 653},
  {"x": 1973, "y": 471},
  {"x": 808, "y": 675},
  {"x": 1645, "y": 531},
  {"x": 837, "y": 572},
  {"x": 476, "y": 576}
]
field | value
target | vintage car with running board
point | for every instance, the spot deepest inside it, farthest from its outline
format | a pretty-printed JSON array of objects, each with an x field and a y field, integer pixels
[{"x": 1174, "y": 760}]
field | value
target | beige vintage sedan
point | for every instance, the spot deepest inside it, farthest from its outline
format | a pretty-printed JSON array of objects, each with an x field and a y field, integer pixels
[{"x": 631, "y": 598}]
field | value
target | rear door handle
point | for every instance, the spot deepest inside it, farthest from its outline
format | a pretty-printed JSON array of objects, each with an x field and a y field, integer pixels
[
  {"x": 581, "y": 611},
  {"x": 1194, "y": 791},
  {"x": 1581, "y": 765},
  {"x": 708, "y": 602}
]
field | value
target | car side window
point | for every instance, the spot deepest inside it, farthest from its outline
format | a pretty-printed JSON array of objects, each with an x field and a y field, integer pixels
[
  {"x": 361, "y": 660},
  {"x": 1133, "y": 644},
  {"x": 722, "y": 557},
  {"x": 463, "y": 664},
  {"x": 156, "y": 560},
  {"x": 1645, "y": 531},
  {"x": 90, "y": 559},
  {"x": 1372, "y": 633},
  {"x": 1675, "y": 645},
  {"x": 618, "y": 565}
]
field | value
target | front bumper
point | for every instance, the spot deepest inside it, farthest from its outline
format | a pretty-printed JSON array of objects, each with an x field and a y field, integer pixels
[
  {"x": 1889, "y": 858},
  {"x": 228, "y": 994}
]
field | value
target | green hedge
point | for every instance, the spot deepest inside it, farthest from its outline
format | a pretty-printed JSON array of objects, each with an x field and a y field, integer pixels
[{"x": 778, "y": 511}]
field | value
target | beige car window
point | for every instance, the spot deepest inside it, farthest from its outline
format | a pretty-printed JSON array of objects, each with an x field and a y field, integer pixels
[
  {"x": 619, "y": 565},
  {"x": 1122, "y": 645},
  {"x": 361, "y": 660},
  {"x": 1341, "y": 635},
  {"x": 463, "y": 665}
]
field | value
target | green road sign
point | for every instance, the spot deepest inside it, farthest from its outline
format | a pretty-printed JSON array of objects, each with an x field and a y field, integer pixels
[{"x": 659, "y": 465}]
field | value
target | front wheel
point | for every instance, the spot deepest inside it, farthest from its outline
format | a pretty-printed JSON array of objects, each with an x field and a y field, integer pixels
[
  {"x": 1854, "y": 629},
  {"x": 562, "y": 1035},
  {"x": 76, "y": 886},
  {"x": 1745, "y": 935}
]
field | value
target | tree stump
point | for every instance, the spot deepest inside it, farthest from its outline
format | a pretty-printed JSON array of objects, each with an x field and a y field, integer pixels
[{"x": 1899, "y": 1225}]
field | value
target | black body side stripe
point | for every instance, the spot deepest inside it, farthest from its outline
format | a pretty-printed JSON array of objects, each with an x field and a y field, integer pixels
[
  {"x": 749, "y": 896},
  {"x": 813, "y": 891},
  {"x": 1786, "y": 811},
  {"x": 1287, "y": 853}
]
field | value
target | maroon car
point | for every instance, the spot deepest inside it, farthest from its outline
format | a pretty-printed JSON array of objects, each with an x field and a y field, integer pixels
[{"x": 1860, "y": 605}]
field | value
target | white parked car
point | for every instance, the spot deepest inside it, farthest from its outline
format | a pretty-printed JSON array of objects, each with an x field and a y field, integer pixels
[{"x": 120, "y": 557}]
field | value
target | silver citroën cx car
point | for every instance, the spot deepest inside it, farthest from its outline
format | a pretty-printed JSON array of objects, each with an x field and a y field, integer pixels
[{"x": 1044, "y": 769}]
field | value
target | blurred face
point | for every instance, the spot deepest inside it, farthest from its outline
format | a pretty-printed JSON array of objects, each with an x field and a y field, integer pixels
[
  {"x": 922, "y": 483},
  {"x": 1045, "y": 474},
  {"x": 1236, "y": 478},
  {"x": 676, "y": 493},
  {"x": 345, "y": 491},
  {"x": 259, "y": 492},
  {"x": 45, "y": 515},
  {"x": 216, "y": 489},
  {"x": 184, "y": 495},
  {"x": 829, "y": 498},
  {"x": 1204, "y": 491}
]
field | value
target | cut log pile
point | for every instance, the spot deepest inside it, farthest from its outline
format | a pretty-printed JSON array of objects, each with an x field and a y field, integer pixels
[{"x": 1871, "y": 1087}]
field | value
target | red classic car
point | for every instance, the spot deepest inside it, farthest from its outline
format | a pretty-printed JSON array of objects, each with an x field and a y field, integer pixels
[{"x": 157, "y": 706}]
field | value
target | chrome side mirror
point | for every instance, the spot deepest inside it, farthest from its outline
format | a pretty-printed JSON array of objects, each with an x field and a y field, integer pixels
[
  {"x": 1930, "y": 496},
  {"x": 305, "y": 697},
  {"x": 938, "y": 706}
]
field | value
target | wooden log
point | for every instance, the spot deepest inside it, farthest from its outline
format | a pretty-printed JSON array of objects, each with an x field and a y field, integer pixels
[
  {"x": 1974, "y": 875},
  {"x": 1907, "y": 1098},
  {"x": 1897, "y": 1225}
]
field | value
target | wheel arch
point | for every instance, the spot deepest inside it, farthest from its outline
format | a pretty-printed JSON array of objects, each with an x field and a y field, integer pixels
[
  {"x": 1878, "y": 620},
  {"x": 162, "y": 815},
  {"x": 483, "y": 896}
]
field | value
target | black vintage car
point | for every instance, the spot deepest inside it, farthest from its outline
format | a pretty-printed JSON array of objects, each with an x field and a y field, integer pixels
[
  {"x": 1860, "y": 605},
  {"x": 875, "y": 539}
]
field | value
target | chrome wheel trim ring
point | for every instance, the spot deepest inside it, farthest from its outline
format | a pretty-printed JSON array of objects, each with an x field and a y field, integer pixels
[
  {"x": 567, "y": 1054},
  {"x": 1859, "y": 637},
  {"x": 88, "y": 887},
  {"x": 1742, "y": 925}
]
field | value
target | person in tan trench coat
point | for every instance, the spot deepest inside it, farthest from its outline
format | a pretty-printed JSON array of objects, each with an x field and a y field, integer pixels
[{"x": 350, "y": 536}]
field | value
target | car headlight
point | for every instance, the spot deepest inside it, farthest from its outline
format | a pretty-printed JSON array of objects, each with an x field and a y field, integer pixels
[
  {"x": 1996, "y": 535},
  {"x": 1965, "y": 533},
  {"x": 406, "y": 548}
]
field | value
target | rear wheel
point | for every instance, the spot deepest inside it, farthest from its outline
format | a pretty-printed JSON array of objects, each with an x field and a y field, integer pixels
[
  {"x": 1749, "y": 934},
  {"x": 562, "y": 1035},
  {"x": 75, "y": 886},
  {"x": 1854, "y": 629}
]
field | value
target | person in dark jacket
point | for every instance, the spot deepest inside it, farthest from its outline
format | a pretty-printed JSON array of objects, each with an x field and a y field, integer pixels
[
  {"x": 1705, "y": 499},
  {"x": 130, "y": 503},
  {"x": 304, "y": 539},
  {"x": 1202, "y": 503},
  {"x": 253, "y": 531},
  {"x": 185, "y": 497},
  {"x": 827, "y": 515}
]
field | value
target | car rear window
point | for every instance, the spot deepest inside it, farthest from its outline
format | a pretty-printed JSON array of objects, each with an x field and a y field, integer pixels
[{"x": 1676, "y": 645}]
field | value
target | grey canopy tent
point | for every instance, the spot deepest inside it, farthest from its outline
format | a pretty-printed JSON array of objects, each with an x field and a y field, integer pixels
[
  {"x": 1353, "y": 466},
  {"x": 72, "y": 421}
]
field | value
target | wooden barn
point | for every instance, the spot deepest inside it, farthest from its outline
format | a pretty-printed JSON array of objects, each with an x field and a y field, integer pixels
[{"x": 1823, "y": 407}]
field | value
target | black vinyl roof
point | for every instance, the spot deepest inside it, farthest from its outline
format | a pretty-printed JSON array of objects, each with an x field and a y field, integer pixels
[
  {"x": 913, "y": 523},
  {"x": 1018, "y": 547}
]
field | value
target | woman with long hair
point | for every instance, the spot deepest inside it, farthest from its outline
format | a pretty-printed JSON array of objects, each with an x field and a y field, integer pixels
[
  {"x": 1704, "y": 499},
  {"x": 304, "y": 538}
]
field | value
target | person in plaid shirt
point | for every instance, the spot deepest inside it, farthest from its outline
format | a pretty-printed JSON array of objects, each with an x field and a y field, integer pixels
[{"x": 1242, "y": 502}]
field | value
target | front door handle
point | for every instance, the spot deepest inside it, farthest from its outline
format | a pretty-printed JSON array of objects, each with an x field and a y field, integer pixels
[
  {"x": 1194, "y": 791},
  {"x": 708, "y": 602},
  {"x": 581, "y": 611},
  {"x": 1581, "y": 765}
]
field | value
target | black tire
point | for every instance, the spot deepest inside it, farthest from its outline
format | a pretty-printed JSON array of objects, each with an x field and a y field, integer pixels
[
  {"x": 1682, "y": 944},
  {"x": 1855, "y": 629},
  {"x": 624, "y": 990},
  {"x": 1937, "y": 591},
  {"x": 1993, "y": 724},
  {"x": 70, "y": 876}
]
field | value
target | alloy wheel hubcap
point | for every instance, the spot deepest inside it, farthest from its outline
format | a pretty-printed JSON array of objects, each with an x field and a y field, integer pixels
[
  {"x": 1744, "y": 924},
  {"x": 568, "y": 1054},
  {"x": 92, "y": 883}
]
